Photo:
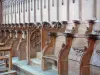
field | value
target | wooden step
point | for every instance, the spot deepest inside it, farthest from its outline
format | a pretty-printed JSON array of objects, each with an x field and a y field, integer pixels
[
  {"x": 36, "y": 61},
  {"x": 3, "y": 57},
  {"x": 2, "y": 64},
  {"x": 39, "y": 55},
  {"x": 3, "y": 69},
  {"x": 24, "y": 69},
  {"x": 52, "y": 57},
  {"x": 9, "y": 72}
]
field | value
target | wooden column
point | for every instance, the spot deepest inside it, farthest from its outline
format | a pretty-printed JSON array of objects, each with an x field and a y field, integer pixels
[
  {"x": 10, "y": 59},
  {"x": 1, "y": 8},
  {"x": 28, "y": 46}
]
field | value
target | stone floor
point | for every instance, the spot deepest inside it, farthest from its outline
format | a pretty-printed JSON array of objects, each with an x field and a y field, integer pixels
[
  {"x": 23, "y": 69},
  {"x": 31, "y": 70}
]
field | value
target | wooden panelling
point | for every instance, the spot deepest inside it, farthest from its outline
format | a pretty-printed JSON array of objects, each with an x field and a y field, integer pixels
[
  {"x": 88, "y": 9},
  {"x": 38, "y": 10},
  {"x": 53, "y": 10},
  {"x": 97, "y": 10},
  {"x": 32, "y": 11},
  {"x": 63, "y": 10},
  {"x": 74, "y": 10},
  {"x": 45, "y": 10}
]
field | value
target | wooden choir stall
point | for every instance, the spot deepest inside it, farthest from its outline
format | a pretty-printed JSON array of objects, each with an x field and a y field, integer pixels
[{"x": 49, "y": 37}]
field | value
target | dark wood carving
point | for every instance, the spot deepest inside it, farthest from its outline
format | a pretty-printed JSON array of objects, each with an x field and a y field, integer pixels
[
  {"x": 16, "y": 43},
  {"x": 35, "y": 41}
]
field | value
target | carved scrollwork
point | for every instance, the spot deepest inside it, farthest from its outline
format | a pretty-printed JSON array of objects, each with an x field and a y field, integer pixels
[
  {"x": 56, "y": 25},
  {"x": 46, "y": 25},
  {"x": 35, "y": 40},
  {"x": 38, "y": 25}
]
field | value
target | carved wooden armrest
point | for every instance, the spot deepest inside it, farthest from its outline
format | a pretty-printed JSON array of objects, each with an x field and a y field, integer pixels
[{"x": 52, "y": 57}]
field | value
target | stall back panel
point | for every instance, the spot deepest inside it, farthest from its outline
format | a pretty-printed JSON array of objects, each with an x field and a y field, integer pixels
[
  {"x": 98, "y": 11},
  {"x": 32, "y": 11},
  {"x": 3, "y": 12},
  {"x": 9, "y": 12},
  {"x": 45, "y": 10},
  {"x": 17, "y": 12},
  {"x": 13, "y": 12},
  {"x": 87, "y": 9},
  {"x": 53, "y": 10},
  {"x": 74, "y": 9},
  {"x": 26, "y": 11},
  {"x": 6, "y": 12},
  {"x": 38, "y": 11},
  {"x": 21, "y": 11},
  {"x": 63, "y": 10}
]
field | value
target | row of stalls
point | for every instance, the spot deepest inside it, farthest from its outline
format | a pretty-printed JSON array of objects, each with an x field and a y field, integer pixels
[
  {"x": 63, "y": 34},
  {"x": 68, "y": 48}
]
